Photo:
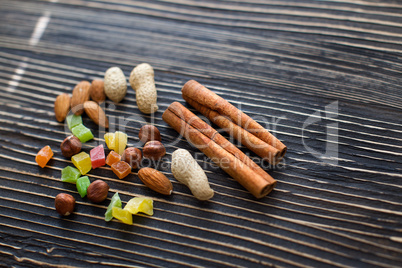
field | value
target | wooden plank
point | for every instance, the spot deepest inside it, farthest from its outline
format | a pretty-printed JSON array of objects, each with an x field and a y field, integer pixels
[{"x": 280, "y": 62}]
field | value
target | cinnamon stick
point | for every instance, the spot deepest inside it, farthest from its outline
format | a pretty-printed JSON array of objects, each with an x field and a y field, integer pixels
[
  {"x": 261, "y": 148},
  {"x": 220, "y": 150},
  {"x": 193, "y": 120},
  {"x": 235, "y": 122}
]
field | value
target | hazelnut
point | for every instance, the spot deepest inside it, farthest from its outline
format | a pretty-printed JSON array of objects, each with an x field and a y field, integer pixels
[
  {"x": 154, "y": 150},
  {"x": 64, "y": 204},
  {"x": 132, "y": 156},
  {"x": 70, "y": 146},
  {"x": 97, "y": 191},
  {"x": 149, "y": 133}
]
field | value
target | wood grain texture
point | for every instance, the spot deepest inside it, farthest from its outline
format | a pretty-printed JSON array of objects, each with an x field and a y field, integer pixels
[{"x": 281, "y": 62}]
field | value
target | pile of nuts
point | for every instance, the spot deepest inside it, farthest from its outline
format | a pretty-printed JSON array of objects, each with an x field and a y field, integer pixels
[
  {"x": 79, "y": 102},
  {"x": 114, "y": 87}
]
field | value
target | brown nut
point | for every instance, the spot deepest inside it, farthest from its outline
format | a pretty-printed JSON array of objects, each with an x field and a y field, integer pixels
[
  {"x": 62, "y": 105},
  {"x": 154, "y": 150},
  {"x": 132, "y": 156},
  {"x": 70, "y": 146},
  {"x": 97, "y": 191},
  {"x": 80, "y": 95},
  {"x": 64, "y": 204},
  {"x": 155, "y": 180},
  {"x": 97, "y": 91},
  {"x": 96, "y": 113},
  {"x": 149, "y": 133}
]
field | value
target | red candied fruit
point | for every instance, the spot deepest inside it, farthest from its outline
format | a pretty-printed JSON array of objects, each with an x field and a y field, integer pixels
[{"x": 97, "y": 156}]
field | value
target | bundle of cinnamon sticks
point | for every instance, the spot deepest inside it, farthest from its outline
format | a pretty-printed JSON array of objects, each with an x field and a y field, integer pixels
[{"x": 221, "y": 151}]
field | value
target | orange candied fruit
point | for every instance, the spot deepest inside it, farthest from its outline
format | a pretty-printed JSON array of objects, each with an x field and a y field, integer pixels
[
  {"x": 112, "y": 158},
  {"x": 121, "y": 169},
  {"x": 44, "y": 156}
]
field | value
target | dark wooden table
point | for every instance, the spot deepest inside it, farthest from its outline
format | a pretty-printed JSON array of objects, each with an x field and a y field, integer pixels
[{"x": 324, "y": 76}]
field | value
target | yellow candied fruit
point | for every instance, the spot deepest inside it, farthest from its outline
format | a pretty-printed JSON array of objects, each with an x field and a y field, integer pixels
[
  {"x": 82, "y": 161},
  {"x": 110, "y": 140},
  {"x": 140, "y": 204},
  {"x": 123, "y": 215},
  {"x": 120, "y": 142}
]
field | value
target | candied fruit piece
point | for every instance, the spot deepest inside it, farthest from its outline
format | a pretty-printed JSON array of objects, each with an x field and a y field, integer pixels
[
  {"x": 82, "y": 161},
  {"x": 73, "y": 120},
  {"x": 83, "y": 133},
  {"x": 120, "y": 142},
  {"x": 44, "y": 156},
  {"x": 112, "y": 158},
  {"x": 110, "y": 140},
  {"x": 70, "y": 174},
  {"x": 115, "y": 202},
  {"x": 140, "y": 204},
  {"x": 82, "y": 185},
  {"x": 123, "y": 215},
  {"x": 121, "y": 169},
  {"x": 97, "y": 156}
]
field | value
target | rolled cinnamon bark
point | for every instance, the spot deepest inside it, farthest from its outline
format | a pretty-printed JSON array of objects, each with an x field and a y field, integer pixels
[
  {"x": 216, "y": 147},
  {"x": 261, "y": 148},
  {"x": 190, "y": 118},
  {"x": 235, "y": 122}
]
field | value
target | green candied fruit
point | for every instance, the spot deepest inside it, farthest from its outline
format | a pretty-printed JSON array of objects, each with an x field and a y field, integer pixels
[
  {"x": 70, "y": 174},
  {"x": 82, "y": 185},
  {"x": 83, "y": 133},
  {"x": 73, "y": 120},
  {"x": 115, "y": 202}
]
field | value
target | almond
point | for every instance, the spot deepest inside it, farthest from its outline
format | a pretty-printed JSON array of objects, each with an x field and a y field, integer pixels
[
  {"x": 97, "y": 91},
  {"x": 62, "y": 106},
  {"x": 155, "y": 180},
  {"x": 80, "y": 95},
  {"x": 95, "y": 112}
]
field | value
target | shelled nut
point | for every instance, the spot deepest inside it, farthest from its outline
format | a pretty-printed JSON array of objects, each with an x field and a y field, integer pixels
[
  {"x": 62, "y": 105},
  {"x": 132, "y": 156},
  {"x": 97, "y": 91},
  {"x": 154, "y": 150},
  {"x": 80, "y": 95},
  {"x": 64, "y": 204},
  {"x": 155, "y": 180},
  {"x": 97, "y": 191},
  {"x": 70, "y": 146},
  {"x": 149, "y": 133}
]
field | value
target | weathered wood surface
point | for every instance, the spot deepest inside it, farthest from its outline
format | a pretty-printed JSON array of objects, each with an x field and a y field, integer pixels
[{"x": 279, "y": 61}]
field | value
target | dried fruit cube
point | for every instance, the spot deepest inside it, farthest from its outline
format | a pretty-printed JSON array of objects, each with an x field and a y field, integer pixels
[
  {"x": 83, "y": 133},
  {"x": 112, "y": 158},
  {"x": 110, "y": 140},
  {"x": 120, "y": 142},
  {"x": 123, "y": 215},
  {"x": 82, "y": 185},
  {"x": 115, "y": 202},
  {"x": 44, "y": 156},
  {"x": 73, "y": 120},
  {"x": 82, "y": 161},
  {"x": 97, "y": 156},
  {"x": 140, "y": 204},
  {"x": 121, "y": 169},
  {"x": 70, "y": 174}
]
